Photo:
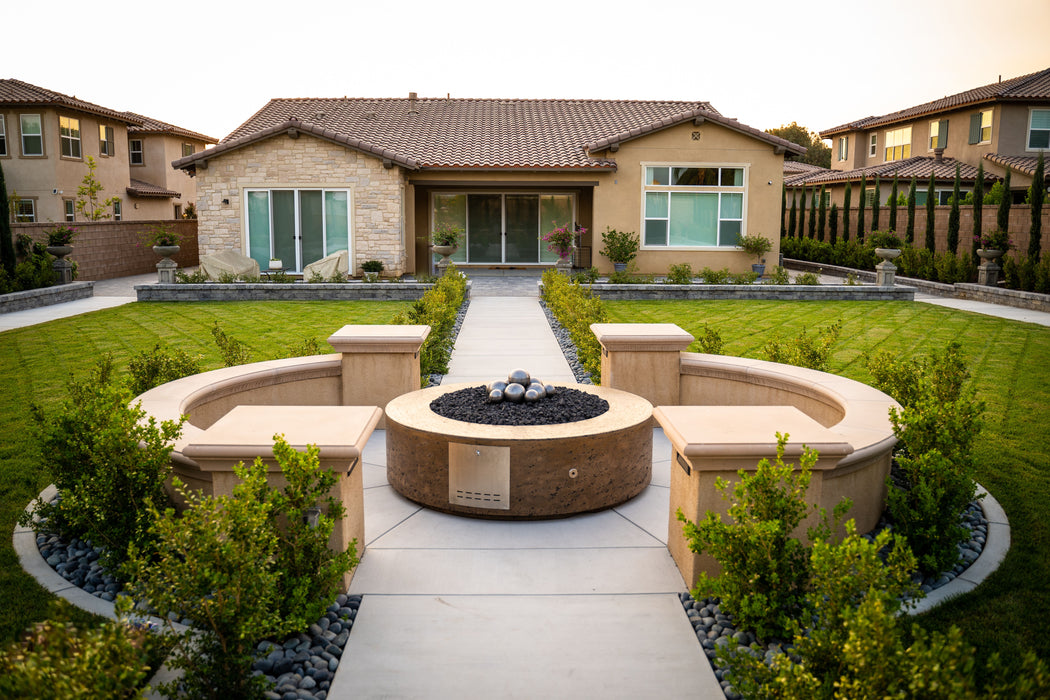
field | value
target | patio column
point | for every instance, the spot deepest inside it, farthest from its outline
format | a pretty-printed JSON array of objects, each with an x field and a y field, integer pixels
[{"x": 643, "y": 358}]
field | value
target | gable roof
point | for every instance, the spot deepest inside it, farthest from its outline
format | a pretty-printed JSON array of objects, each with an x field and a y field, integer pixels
[
  {"x": 918, "y": 167},
  {"x": 18, "y": 92},
  {"x": 440, "y": 133},
  {"x": 139, "y": 188},
  {"x": 1022, "y": 164},
  {"x": 148, "y": 125},
  {"x": 1034, "y": 87}
]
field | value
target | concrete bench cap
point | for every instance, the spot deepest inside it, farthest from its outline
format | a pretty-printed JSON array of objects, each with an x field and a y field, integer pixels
[
  {"x": 378, "y": 338},
  {"x": 641, "y": 337}
]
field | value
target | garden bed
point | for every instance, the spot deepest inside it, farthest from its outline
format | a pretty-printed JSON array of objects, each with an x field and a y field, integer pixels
[
  {"x": 769, "y": 292},
  {"x": 45, "y": 296},
  {"x": 296, "y": 291}
]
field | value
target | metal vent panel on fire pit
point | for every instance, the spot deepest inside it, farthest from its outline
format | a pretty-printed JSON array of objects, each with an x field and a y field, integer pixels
[{"x": 479, "y": 476}]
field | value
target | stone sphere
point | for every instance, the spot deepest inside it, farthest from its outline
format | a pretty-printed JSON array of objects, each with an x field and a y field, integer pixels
[
  {"x": 514, "y": 393},
  {"x": 531, "y": 395},
  {"x": 497, "y": 384},
  {"x": 550, "y": 389},
  {"x": 495, "y": 396},
  {"x": 538, "y": 388},
  {"x": 518, "y": 376}
]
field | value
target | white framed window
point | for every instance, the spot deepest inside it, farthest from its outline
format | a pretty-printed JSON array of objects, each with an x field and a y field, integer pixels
[
  {"x": 3, "y": 136},
  {"x": 898, "y": 143},
  {"x": 869, "y": 196},
  {"x": 69, "y": 135},
  {"x": 297, "y": 226},
  {"x": 25, "y": 210},
  {"x": 70, "y": 209},
  {"x": 105, "y": 140},
  {"x": 873, "y": 145},
  {"x": 843, "y": 148},
  {"x": 1038, "y": 129},
  {"x": 118, "y": 210},
  {"x": 941, "y": 197},
  {"x": 32, "y": 130},
  {"x": 938, "y": 134},
  {"x": 187, "y": 149},
  {"x": 693, "y": 205},
  {"x": 135, "y": 154},
  {"x": 981, "y": 127}
]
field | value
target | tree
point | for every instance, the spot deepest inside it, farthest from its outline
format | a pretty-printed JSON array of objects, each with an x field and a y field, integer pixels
[
  {"x": 978, "y": 203},
  {"x": 833, "y": 224},
  {"x": 875, "y": 207},
  {"x": 845, "y": 211},
  {"x": 88, "y": 194},
  {"x": 783, "y": 209},
  {"x": 931, "y": 201},
  {"x": 802, "y": 214},
  {"x": 7, "y": 247},
  {"x": 813, "y": 213},
  {"x": 860, "y": 207},
  {"x": 822, "y": 217},
  {"x": 792, "y": 217},
  {"x": 1036, "y": 195},
  {"x": 816, "y": 152},
  {"x": 1002, "y": 219},
  {"x": 909, "y": 232},
  {"x": 893, "y": 204},
  {"x": 953, "y": 216}
]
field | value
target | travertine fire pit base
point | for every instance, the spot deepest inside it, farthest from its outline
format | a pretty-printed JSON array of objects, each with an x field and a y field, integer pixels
[{"x": 519, "y": 472}]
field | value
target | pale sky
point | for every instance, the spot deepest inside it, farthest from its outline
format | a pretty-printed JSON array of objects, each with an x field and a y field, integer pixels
[{"x": 208, "y": 66}]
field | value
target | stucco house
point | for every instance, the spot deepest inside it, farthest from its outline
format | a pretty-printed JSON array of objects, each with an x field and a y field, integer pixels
[
  {"x": 46, "y": 138},
  {"x": 303, "y": 178}
]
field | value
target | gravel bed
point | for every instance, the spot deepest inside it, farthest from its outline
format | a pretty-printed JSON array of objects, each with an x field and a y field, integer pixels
[
  {"x": 566, "y": 406},
  {"x": 568, "y": 348},
  {"x": 435, "y": 379}
]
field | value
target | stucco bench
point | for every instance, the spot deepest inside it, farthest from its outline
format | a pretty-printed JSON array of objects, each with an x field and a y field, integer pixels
[{"x": 247, "y": 432}]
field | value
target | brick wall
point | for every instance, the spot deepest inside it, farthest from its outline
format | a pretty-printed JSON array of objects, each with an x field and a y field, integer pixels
[{"x": 108, "y": 249}]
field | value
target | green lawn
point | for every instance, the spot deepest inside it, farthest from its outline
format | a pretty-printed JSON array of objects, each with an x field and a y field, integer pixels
[
  {"x": 1010, "y": 364},
  {"x": 35, "y": 363}
]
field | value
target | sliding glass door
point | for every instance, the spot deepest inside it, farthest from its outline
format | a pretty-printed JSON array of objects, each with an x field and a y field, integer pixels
[
  {"x": 503, "y": 228},
  {"x": 297, "y": 226}
]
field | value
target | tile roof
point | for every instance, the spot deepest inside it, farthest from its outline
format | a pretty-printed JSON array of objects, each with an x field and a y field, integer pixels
[
  {"x": 156, "y": 126},
  {"x": 138, "y": 188},
  {"x": 1034, "y": 86},
  {"x": 919, "y": 167},
  {"x": 796, "y": 166},
  {"x": 440, "y": 133},
  {"x": 17, "y": 92},
  {"x": 1022, "y": 164}
]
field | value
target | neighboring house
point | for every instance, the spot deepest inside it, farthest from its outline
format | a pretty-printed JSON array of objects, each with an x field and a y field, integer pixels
[
  {"x": 1004, "y": 125},
  {"x": 303, "y": 178},
  {"x": 46, "y": 138}
]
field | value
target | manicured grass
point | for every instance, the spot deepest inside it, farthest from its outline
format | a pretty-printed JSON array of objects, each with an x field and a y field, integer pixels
[
  {"x": 1010, "y": 366},
  {"x": 36, "y": 362}
]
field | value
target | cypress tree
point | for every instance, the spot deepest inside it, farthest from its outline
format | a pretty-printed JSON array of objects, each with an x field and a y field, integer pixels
[
  {"x": 792, "y": 217},
  {"x": 845, "y": 210},
  {"x": 893, "y": 204},
  {"x": 823, "y": 217},
  {"x": 802, "y": 214},
  {"x": 783, "y": 209},
  {"x": 978, "y": 204},
  {"x": 833, "y": 224},
  {"x": 953, "y": 216},
  {"x": 813, "y": 213},
  {"x": 1036, "y": 194},
  {"x": 909, "y": 232},
  {"x": 875, "y": 206},
  {"x": 1002, "y": 219},
  {"x": 931, "y": 202},
  {"x": 7, "y": 246},
  {"x": 860, "y": 207}
]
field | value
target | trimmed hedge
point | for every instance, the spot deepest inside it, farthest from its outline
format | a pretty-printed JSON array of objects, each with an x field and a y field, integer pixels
[{"x": 576, "y": 309}]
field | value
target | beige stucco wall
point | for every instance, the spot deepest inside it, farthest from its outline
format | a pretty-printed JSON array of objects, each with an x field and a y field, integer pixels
[
  {"x": 618, "y": 201},
  {"x": 304, "y": 162}
]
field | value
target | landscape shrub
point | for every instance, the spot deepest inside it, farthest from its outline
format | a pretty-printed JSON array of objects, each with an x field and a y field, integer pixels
[
  {"x": 681, "y": 273},
  {"x": 232, "y": 351},
  {"x": 109, "y": 462},
  {"x": 197, "y": 277},
  {"x": 747, "y": 277},
  {"x": 804, "y": 350},
  {"x": 303, "y": 348},
  {"x": 437, "y": 308},
  {"x": 710, "y": 341},
  {"x": 807, "y": 278},
  {"x": 576, "y": 308},
  {"x": 709, "y": 276},
  {"x": 151, "y": 368},
  {"x": 779, "y": 275},
  {"x": 58, "y": 660},
  {"x": 588, "y": 276}
]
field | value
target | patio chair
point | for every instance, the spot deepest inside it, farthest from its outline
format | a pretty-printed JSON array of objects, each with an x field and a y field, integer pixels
[
  {"x": 231, "y": 262},
  {"x": 328, "y": 266}
]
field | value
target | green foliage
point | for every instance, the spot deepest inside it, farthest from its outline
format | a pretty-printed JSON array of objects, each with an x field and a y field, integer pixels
[
  {"x": 860, "y": 207},
  {"x": 978, "y": 203},
  {"x": 1026, "y": 274},
  {"x": 151, "y": 368},
  {"x": 88, "y": 194},
  {"x": 875, "y": 208},
  {"x": 588, "y": 276},
  {"x": 755, "y": 244},
  {"x": 372, "y": 266},
  {"x": 55, "y": 659},
  {"x": 7, "y": 247},
  {"x": 809, "y": 278},
  {"x": 931, "y": 202},
  {"x": 197, "y": 277},
  {"x": 576, "y": 309},
  {"x": 226, "y": 277},
  {"x": 710, "y": 341},
  {"x": 109, "y": 463},
  {"x": 779, "y": 275},
  {"x": 1037, "y": 195},
  {"x": 822, "y": 216},
  {"x": 845, "y": 210},
  {"x": 953, "y": 217},
  {"x": 630, "y": 276},
  {"x": 884, "y": 239},
  {"x": 792, "y": 217},
  {"x": 817, "y": 153},
  {"x": 437, "y": 308},
  {"x": 619, "y": 246},
  {"x": 909, "y": 231},
  {"x": 764, "y": 569},
  {"x": 804, "y": 350},
  {"x": 802, "y": 214},
  {"x": 893, "y": 203},
  {"x": 748, "y": 277},
  {"x": 316, "y": 278},
  {"x": 1002, "y": 216},
  {"x": 709, "y": 276},
  {"x": 814, "y": 214},
  {"x": 682, "y": 273},
  {"x": 233, "y": 351},
  {"x": 303, "y": 348},
  {"x": 161, "y": 234},
  {"x": 995, "y": 193},
  {"x": 833, "y": 224}
]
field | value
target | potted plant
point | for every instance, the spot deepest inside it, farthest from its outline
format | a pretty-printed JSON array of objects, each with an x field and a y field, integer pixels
[
  {"x": 163, "y": 239},
  {"x": 445, "y": 240},
  {"x": 59, "y": 241},
  {"x": 620, "y": 247},
  {"x": 371, "y": 269},
  {"x": 561, "y": 241},
  {"x": 993, "y": 244},
  {"x": 887, "y": 244},
  {"x": 276, "y": 264},
  {"x": 756, "y": 245}
]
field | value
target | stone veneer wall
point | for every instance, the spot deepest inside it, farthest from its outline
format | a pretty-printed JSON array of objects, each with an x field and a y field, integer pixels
[{"x": 304, "y": 162}]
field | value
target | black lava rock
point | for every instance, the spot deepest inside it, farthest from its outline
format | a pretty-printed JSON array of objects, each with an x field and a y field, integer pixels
[{"x": 471, "y": 406}]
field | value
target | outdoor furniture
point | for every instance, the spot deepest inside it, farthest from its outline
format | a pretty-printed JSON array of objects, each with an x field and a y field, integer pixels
[
  {"x": 337, "y": 262},
  {"x": 230, "y": 262}
]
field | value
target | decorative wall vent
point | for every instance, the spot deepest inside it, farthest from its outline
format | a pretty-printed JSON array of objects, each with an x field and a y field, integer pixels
[{"x": 479, "y": 476}]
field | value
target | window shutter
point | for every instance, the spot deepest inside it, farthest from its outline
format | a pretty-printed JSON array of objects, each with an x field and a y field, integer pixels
[
  {"x": 975, "y": 128},
  {"x": 942, "y": 133},
  {"x": 845, "y": 148}
]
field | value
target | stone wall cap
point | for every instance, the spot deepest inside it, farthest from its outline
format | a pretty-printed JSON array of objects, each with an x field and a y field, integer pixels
[
  {"x": 641, "y": 337},
  {"x": 378, "y": 338}
]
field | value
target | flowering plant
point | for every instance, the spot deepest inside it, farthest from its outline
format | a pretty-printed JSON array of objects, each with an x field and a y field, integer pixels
[
  {"x": 446, "y": 234},
  {"x": 61, "y": 235},
  {"x": 994, "y": 240},
  {"x": 160, "y": 234},
  {"x": 561, "y": 240}
]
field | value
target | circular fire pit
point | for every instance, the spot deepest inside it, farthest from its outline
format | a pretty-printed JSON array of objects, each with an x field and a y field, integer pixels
[{"x": 519, "y": 472}]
